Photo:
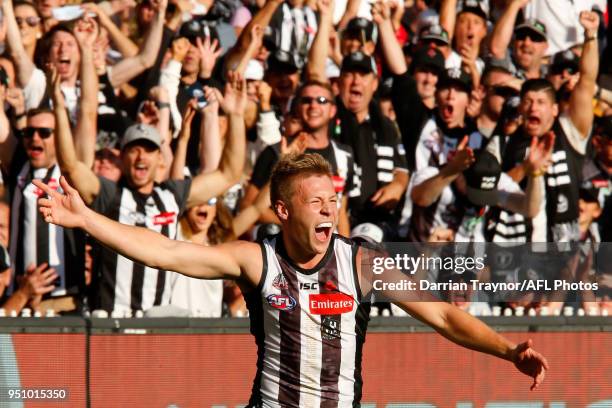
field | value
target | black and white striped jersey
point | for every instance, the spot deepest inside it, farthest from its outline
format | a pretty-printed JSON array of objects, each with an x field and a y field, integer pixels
[
  {"x": 34, "y": 241},
  {"x": 557, "y": 220},
  {"x": 119, "y": 283},
  {"x": 309, "y": 327},
  {"x": 338, "y": 155}
]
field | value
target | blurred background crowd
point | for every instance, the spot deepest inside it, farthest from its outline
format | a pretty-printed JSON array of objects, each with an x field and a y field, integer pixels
[{"x": 457, "y": 121}]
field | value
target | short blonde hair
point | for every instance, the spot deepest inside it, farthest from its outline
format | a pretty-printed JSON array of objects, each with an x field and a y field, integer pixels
[{"x": 291, "y": 167}]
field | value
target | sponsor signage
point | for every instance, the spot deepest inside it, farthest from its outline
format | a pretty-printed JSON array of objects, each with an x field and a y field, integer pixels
[
  {"x": 330, "y": 303},
  {"x": 282, "y": 302},
  {"x": 164, "y": 218}
]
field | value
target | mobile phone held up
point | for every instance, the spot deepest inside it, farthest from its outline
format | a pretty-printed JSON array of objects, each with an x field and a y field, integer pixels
[{"x": 198, "y": 94}]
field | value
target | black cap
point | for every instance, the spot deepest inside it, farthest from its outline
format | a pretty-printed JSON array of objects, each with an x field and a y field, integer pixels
[
  {"x": 428, "y": 58},
  {"x": 358, "y": 61},
  {"x": 588, "y": 192},
  {"x": 564, "y": 59},
  {"x": 434, "y": 32},
  {"x": 198, "y": 28},
  {"x": 282, "y": 61},
  {"x": 271, "y": 38},
  {"x": 358, "y": 26},
  {"x": 482, "y": 178},
  {"x": 534, "y": 26},
  {"x": 474, "y": 7},
  {"x": 456, "y": 78}
]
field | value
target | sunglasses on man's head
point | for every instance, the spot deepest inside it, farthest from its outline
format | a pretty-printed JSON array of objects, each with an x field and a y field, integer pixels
[
  {"x": 43, "y": 132},
  {"x": 522, "y": 36},
  {"x": 32, "y": 21},
  {"x": 321, "y": 100}
]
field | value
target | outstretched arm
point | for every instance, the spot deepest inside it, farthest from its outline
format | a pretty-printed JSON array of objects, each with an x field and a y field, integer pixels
[
  {"x": 208, "y": 185},
  {"x": 262, "y": 19},
  {"x": 580, "y": 100},
  {"x": 502, "y": 32},
  {"x": 81, "y": 175},
  {"x": 317, "y": 55},
  {"x": 224, "y": 261},
  {"x": 131, "y": 67},
  {"x": 123, "y": 44},
  {"x": 86, "y": 32},
  {"x": 394, "y": 57},
  {"x": 448, "y": 16},
  {"x": 453, "y": 323},
  {"x": 177, "y": 170},
  {"x": 23, "y": 64},
  {"x": 467, "y": 331},
  {"x": 211, "y": 140},
  {"x": 257, "y": 33}
]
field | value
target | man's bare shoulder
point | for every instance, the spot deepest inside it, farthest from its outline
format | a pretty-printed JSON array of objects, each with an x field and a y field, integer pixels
[{"x": 249, "y": 257}]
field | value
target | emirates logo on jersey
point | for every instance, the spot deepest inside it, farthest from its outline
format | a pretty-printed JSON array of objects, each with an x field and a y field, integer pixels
[
  {"x": 280, "y": 282},
  {"x": 164, "y": 218},
  {"x": 330, "y": 303}
]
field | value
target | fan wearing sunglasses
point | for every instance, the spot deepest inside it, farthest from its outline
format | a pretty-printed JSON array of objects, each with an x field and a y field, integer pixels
[
  {"x": 30, "y": 25},
  {"x": 31, "y": 246},
  {"x": 529, "y": 45},
  {"x": 499, "y": 85}
]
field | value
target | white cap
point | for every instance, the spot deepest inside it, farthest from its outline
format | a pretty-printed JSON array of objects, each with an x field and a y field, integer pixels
[
  {"x": 368, "y": 232},
  {"x": 331, "y": 69},
  {"x": 254, "y": 71}
]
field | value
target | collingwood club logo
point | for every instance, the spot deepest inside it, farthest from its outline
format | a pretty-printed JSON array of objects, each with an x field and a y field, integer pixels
[{"x": 280, "y": 282}]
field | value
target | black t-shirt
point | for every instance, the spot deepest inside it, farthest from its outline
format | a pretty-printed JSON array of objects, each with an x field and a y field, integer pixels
[{"x": 411, "y": 112}]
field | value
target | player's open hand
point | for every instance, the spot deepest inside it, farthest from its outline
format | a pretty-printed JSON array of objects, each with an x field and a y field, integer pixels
[
  {"x": 66, "y": 210},
  {"x": 530, "y": 362}
]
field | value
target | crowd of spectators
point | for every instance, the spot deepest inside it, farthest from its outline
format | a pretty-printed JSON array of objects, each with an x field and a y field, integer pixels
[{"x": 483, "y": 122}]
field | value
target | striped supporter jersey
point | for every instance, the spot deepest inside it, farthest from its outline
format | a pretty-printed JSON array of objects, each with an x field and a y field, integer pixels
[
  {"x": 309, "y": 327},
  {"x": 120, "y": 284}
]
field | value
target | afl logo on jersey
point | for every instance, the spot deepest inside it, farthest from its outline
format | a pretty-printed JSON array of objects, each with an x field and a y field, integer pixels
[{"x": 282, "y": 302}]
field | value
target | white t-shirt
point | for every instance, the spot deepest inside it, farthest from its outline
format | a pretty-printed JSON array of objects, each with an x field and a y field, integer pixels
[
  {"x": 35, "y": 89},
  {"x": 454, "y": 62},
  {"x": 561, "y": 20},
  {"x": 203, "y": 298}
]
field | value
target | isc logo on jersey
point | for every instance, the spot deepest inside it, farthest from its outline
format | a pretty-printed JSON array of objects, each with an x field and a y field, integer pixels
[{"x": 282, "y": 302}]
